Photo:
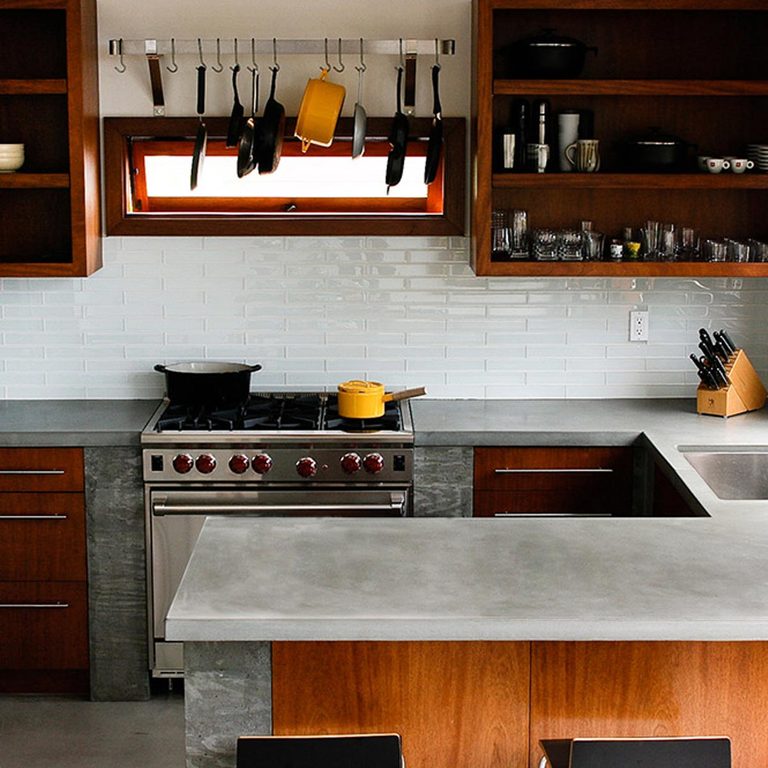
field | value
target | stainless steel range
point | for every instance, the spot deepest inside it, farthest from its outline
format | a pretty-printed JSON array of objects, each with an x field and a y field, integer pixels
[{"x": 275, "y": 454}]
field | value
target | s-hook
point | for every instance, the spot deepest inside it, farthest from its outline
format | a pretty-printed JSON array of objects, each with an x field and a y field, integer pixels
[
  {"x": 218, "y": 66},
  {"x": 200, "y": 51},
  {"x": 275, "y": 66},
  {"x": 341, "y": 66},
  {"x": 236, "y": 68},
  {"x": 362, "y": 66},
  {"x": 120, "y": 67},
  {"x": 174, "y": 66},
  {"x": 437, "y": 53}
]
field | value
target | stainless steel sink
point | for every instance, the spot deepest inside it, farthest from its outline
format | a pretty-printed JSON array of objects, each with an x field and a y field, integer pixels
[{"x": 738, "y": 473}]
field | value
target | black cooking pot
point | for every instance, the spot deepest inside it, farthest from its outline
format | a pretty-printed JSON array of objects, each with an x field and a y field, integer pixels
[
  {"x": 547, "y": 55},
  {"x": 207, "y": 382},
  {"x": 656, "y": 151}
]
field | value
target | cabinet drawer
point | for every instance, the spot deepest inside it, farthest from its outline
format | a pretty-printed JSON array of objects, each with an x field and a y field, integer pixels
[
  {"x": 599, "y": 501},
  {"x": 42, "y": 537},
  {"x": 43, "y": 625},
  {"x": 573, "y": 469},
  {"x": 41, "y": 469}
]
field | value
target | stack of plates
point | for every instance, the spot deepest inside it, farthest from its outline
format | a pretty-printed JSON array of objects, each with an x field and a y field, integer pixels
[
  {"x": 758, "y": 153},
  {"x": 11, "y": 157}
]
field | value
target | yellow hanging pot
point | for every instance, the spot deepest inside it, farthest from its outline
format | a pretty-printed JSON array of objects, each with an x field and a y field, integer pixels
[{"x": 319, "y": 112}]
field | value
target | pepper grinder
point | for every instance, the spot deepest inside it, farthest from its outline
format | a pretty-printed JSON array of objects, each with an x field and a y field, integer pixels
[
  {"x": 520, "y": 123},
  {"x": 539, "y": 156}
]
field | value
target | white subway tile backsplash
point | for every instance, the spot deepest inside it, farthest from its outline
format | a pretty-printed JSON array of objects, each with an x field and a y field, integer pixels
[{"x": 314, "y": 311}]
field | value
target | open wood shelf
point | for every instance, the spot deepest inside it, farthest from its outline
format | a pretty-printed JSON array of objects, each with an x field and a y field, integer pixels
[
  {"x": 626, "y": 269},
  {"x": 32, "y": 87},
  {"x": 630, "y": 87},
  {"x": 23, "y": 180},
  {"x": 601, "y": 180}
]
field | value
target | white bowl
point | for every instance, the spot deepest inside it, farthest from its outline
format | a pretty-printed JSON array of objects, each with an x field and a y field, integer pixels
[{"x": 11, "y": 163}]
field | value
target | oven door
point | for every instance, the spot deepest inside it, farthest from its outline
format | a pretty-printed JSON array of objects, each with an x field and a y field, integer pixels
[{"x": 176, "y": 516}]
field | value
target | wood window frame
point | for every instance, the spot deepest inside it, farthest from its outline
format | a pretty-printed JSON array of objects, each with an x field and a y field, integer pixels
[{"x": 328, "y": 216}]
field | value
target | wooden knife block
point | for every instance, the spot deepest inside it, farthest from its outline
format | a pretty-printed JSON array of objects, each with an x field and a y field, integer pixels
[{"x": 745, "y": 392}]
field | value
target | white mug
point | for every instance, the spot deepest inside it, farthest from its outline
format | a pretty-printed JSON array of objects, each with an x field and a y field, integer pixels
[
  {"x": 740, "y": 164},
  {"x": 567, "y": 133},
  {"x": 717, "y": 164}
]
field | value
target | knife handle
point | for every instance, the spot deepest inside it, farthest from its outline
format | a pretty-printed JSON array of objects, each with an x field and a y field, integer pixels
[{"x": 728, "y": 339}]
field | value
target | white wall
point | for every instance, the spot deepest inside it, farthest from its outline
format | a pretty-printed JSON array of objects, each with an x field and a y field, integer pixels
[{"x": 317, "y": 311}]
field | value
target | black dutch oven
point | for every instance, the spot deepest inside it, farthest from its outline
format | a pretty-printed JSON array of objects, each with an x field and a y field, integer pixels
[
  {"x": 547, "y": 55},
  {"x": 656, "y": 151},
  {"x": 207, "y": 382}
]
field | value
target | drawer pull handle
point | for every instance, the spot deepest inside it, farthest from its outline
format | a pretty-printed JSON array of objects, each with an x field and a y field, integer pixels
[
  {"x": 570, "y": 471},
  {"x": 552, "y": 514},
  {"x": 33, "y": 517},
  {"x": 34, "y": 605},
  {"x": 32, "y": 471}
]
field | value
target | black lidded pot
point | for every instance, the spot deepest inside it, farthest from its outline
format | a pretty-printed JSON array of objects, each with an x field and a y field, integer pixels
[
  {"x": 207, "y": 383},
  {"x": 547, "y": 55}
]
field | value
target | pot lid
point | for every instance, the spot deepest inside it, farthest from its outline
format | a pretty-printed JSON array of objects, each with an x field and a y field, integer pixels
[
  {"x": 656, "y": 138},
  {"x": 548, "y": 39},
  {"x": 359, "y": 387}
]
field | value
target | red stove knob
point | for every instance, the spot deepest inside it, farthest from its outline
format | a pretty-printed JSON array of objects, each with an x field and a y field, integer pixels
[
  {"x": 306, "y": 467},
  {"x": 239, "y": 463},
  {"x": 351, "y": 463},
  {"x": 262, "y": 463},
  {"x": 205, "y": 463},
  {"x": 183, "y": 463},
  {"x": 373, "y": 463}
]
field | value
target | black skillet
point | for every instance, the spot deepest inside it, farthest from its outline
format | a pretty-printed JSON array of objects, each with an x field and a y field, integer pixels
[
  {"x": 272, "y": 130},
  {"x": 398, "y": 140},
  {"x": 435, "y": 144},
  {"x": 201, "y": 140},
  {"x": 235, "y": 128},
  {"x": 250, "y": 138}
]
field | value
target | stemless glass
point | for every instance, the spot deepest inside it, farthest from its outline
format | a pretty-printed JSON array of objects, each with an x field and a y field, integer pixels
[
  {"x": 738, "y": 251},
  {"x": 501, "y": 244},
  {"x": 715, "y": 250},
  {"x": 688, "y": 246},
  {"x": 593, "y": 245},
  {"x": 758, "y": 250},
  {"x": 650, "y": 237},
  {"x": 545, "y": 245},
  {"x": 569, "y": 245},
  {"x": 668, "y": 242},
  {"x": 519, "y": 235}
]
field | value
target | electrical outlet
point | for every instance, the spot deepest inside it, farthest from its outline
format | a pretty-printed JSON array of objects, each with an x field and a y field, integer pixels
[{"x": 638, "y": 325}]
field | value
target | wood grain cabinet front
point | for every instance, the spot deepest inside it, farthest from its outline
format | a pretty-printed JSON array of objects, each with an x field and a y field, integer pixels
[
  {"x": 554, "y": 481},
  {"x": 43, "y": 573}
]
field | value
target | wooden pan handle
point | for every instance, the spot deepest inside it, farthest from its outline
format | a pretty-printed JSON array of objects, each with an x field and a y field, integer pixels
[{"x": 406, "y": 393}]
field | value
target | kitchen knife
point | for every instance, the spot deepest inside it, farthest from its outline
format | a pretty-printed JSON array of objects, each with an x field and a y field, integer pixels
[
  {"x": 704, "y": 373},
  {"x": 728, "y": 339},
  {"x": 705, "y": 337},
  {"x": 721, "y": 347},
  {"x": 715, "y": 366}
]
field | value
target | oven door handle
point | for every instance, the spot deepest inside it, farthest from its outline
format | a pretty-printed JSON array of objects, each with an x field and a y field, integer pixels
[{"x": 396, "y": 505}]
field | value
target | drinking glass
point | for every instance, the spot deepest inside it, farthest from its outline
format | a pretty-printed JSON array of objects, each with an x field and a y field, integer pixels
[
  {"x": 715, "y": 250},
  {"x": 758, "y": 250},
  {"x": 519, "y": 235},
  {"x": 688, "y": 246},
  {"x": 650, "y": 237},
  {"x": 545, "y": 245},
  {"x": 738, "y": 251},
  {"x": 501, "y": 244},
  {"x": 570, "y": 245},
  {"x": 668, "y": 242},
  {"x": 593, "y": 245}
]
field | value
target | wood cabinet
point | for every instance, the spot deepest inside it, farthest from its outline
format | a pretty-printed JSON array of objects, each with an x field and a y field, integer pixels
[
  {"x": 49, "y": 209},
  {"x": 561, "y": 481},
  {"x": 43, "y": 577},
  {"x": 487, "y": 704},
  {"x": 695, "y": 68}
]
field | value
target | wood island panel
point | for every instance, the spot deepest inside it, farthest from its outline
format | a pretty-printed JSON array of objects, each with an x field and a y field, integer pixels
[
  {"x": 455, "y": 704},
  {"x": 608, "y": 689}
]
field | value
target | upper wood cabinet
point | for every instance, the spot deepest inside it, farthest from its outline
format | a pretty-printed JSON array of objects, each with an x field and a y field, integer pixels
[
  {"x": 695, "y": 69},
  {"x": 49, "y": 101}
]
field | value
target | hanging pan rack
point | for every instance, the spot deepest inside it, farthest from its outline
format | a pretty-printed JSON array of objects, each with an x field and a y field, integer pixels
[{"x": 214, "y": 48}]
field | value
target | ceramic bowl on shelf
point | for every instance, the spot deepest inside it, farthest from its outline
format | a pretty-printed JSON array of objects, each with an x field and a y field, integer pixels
[{"x": 11, "y": 157}]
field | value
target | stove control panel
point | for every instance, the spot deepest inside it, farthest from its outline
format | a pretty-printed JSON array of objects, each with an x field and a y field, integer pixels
[{"x": 297, "y": 465}]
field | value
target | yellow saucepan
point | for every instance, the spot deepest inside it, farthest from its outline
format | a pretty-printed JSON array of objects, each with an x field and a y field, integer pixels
[{"x": 366, "y": 399}]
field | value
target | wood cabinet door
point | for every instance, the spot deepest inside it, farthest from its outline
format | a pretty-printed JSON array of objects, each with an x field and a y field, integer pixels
[
  {"x": 455, "y": 704},
  {"x": 41, "y": 469},
  {"x": 42, "y": 537},
  {"x": 643, "y": 689}
]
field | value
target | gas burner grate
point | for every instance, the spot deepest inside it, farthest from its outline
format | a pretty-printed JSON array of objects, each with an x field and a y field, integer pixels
[{"x": 389, "y": 420}]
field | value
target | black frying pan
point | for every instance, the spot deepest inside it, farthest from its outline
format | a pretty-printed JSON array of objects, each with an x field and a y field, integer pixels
[
  {"x": 201, "y": 140},
  {"x": 251, "y": 136},
  {"x": 435, "y": 144},
  {"x": 398, "y": 140},
  {"x": 272, "y": 130},
  {"x": 235, "y": 128}
]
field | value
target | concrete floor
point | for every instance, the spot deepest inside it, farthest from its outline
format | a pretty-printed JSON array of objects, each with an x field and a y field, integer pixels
[{"x": 60, "y": 732}]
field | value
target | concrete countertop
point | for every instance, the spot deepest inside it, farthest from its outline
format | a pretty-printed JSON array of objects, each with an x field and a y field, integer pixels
[
  {"x": 701, "y": 578},
  {"x": 474, "y": 579},
  {"x": 51, "y": 423}
]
